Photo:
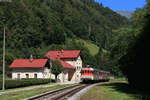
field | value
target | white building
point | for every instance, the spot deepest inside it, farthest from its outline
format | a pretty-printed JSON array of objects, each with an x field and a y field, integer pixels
[
  {"x": 71, "y": 61},
  {"x": 31, "y": 68}
]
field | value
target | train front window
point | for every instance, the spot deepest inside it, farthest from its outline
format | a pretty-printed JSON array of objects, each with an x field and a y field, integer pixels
[
  {"x": 87, "y": 71},
  {"x": 91, "y": 72}
]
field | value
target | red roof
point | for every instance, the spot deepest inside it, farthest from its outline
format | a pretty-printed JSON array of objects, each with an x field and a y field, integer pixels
[
  {"x": 66, "y": 65},
  {"x": 54, "y": 55},
  {"x": 28, "y": 63},
  {"x": 58, "y": 55}
]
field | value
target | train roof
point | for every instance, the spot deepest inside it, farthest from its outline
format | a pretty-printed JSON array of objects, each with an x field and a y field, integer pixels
[
  {"x": 88, "y": 68},
  {"x": 94, "y": 69}
]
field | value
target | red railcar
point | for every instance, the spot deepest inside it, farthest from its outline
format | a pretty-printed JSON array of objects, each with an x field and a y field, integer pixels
[{"x": 92, "y": 75}]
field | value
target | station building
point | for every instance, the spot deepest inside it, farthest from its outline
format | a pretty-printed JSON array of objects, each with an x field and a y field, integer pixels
[
  {"x": 41, "y": 68},
  {"x": 70, "y": 60}
]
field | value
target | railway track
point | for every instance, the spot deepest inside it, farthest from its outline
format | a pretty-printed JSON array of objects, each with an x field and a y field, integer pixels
[{"x": 60, "y": 94}]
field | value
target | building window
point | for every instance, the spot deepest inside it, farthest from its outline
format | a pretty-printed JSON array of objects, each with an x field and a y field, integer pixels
[
  {"x": 27, "y": 75},
  {"x": 35, "y": 75},
  {"x": 77, "y": 67},
  {"x": 18, "y": 76}
]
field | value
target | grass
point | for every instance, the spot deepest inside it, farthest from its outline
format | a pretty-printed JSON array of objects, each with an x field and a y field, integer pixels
[
  {"x": 93, "y": 49},
  {"x": 28, "y": 93},
  {"x": 115, "y": 91},
  {"x": 26, "y": 87}
]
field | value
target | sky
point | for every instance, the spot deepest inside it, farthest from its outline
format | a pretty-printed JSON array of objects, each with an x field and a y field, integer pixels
[{"x": 123, "y": 5}]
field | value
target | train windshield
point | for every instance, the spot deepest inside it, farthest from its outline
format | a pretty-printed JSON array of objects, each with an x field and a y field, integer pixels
[{"x": 86, "y": 71}]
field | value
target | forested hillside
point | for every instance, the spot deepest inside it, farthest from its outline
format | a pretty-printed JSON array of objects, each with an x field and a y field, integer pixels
[{"x": 36, "y": 26}]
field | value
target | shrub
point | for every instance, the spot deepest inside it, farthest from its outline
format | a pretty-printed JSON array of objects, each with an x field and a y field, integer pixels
[{"x": 24, "y": 82}]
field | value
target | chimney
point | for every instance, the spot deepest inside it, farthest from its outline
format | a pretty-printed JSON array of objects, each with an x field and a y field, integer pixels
[
  {"x": 57, "y": 56},
  {"x": 62, "y": 52},
  {"x": 31, "y": 58}
]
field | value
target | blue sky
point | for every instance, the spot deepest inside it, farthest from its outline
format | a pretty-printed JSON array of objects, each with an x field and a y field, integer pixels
[{"x": 123, "y": 5}]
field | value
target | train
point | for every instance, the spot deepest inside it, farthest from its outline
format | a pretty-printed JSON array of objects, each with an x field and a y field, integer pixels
[{"x": 89, "y": 74}]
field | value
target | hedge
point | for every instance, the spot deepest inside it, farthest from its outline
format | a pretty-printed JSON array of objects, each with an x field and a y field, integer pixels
[{"x": 24, "y": 82}]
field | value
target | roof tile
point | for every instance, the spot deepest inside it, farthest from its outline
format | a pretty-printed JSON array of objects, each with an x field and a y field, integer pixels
[
  {"x": 28, "y": 63},
  {"x": 54, "y": 55}
]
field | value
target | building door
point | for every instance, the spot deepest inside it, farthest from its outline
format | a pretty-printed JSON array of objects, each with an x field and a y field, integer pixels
[
  {"x": 18, "y": 76},
  {"x": 27, "y": 75},
  {"x": 35, "y": 75},
  {"x": 70, "y": 74}
]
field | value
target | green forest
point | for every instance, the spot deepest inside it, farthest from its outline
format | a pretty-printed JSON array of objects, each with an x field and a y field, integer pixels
[
  {"x": 106, "y": 39},
  {"x": 35, "y": 27}
]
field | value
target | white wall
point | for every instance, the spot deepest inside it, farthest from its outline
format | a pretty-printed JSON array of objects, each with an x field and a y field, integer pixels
[
  {"x": 75, "y": 62},
  {"x": 62, "y": 77},
  {"x": 44, "y": 73},
  {"x": 23, "y": 74},
  {"x": 77, "y": 75}
]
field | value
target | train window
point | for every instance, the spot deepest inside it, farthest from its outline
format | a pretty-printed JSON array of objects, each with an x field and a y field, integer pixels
[
  {"x": 85, "y": 71},
  {"x": 82, "y": 71}
]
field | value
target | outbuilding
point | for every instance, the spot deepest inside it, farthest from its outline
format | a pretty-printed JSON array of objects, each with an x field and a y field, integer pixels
[{"x": 31, "y": 68}]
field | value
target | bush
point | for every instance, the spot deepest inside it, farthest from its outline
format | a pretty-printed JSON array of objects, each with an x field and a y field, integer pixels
[{"x": 24, "y": 82}]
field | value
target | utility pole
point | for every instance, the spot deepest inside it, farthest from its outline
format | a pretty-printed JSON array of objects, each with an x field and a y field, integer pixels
[
  {"x": 4, "y": 61},
  {"x": 50, "y": 69}
]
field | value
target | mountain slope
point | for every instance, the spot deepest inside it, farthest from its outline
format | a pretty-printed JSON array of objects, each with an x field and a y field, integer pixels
[
  {"x": 93, "y": 49},
  {"x": 32, "y": 26},
  {"x": 127, "y": 14}
]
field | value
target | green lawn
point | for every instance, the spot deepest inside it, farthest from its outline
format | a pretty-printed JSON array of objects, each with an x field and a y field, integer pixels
[
  {"x": 115, "y": 91},
  {"x": 93, "y": 49},
  {"x": 28, "y": 93}
]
